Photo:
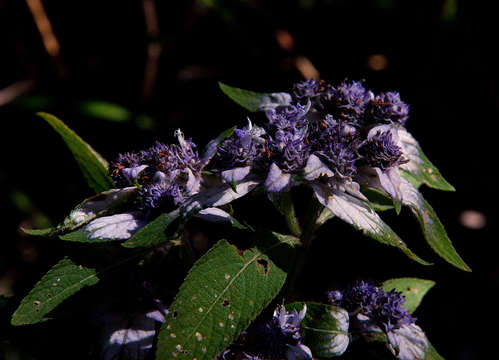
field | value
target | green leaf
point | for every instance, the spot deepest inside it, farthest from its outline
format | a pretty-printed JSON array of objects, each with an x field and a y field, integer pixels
[
  {"x": 62, "y": 281},
  {"x": 377, "y": 200},
  {"x": 223, "y": 292},
  {"x": 105, "y": 110},
  {"x": 324, "y": 328},
  {"x": 152, "y": 234},
  {"x": 254, "y": 101},
  {"x": 105, "y": 203},
  {"x": 432, "y": 354},
  {"x": 419, "y": 166},
  {"x": 93, "y": 166},
  {"x": 433, "y": 230},
  {"x": 358, "y": 214},
  {"x": 413, "y": 290}
]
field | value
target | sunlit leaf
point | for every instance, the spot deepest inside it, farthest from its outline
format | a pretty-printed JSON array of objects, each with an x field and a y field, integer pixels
[
  {"x": 254, "y": 101},
  {"x": 358, "y": 214},
  {"x": 224, "y": 291},
  {"x": 93, "y": 166},
  {"x": 413, "y": 290},
  {"x": 421, "y": 170},
  {"x": 433, "y": 230}
]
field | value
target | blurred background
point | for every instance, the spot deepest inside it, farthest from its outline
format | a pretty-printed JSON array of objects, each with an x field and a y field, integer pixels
[{"x": 123, "y": 74}]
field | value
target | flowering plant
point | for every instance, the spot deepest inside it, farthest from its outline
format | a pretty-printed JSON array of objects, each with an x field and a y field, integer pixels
[{"x": 343, "y": 145}]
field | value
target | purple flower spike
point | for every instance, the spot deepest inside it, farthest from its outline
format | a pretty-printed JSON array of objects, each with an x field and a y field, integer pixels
[
  {"x": 349, "y": 101},
  {"x": 373, "y": 304},
  {"x": 381, "y": 151},
  {"x": 387, "y": 108}
]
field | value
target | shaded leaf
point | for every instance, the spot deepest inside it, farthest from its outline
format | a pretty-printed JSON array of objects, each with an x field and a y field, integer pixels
[
  {"x": 419, "y": 166},
  {"x": 324, "y": 328},
  {"x": 154, "y": 233},
  {"x": 413, "y": 290},
  {"x": 433, "y": 230},
  {"x": 254, "y": 101},
  {"x": 358, "y": 214},
  {"x": 223, "y": 292},
  {"x": 377, "y": 199},
  {"x": 93, "y": 166},
  {"x": 62, "y": 281}
]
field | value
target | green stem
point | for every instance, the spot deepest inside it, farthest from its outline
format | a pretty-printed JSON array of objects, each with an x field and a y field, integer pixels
[{"x": 301, "y": 254}]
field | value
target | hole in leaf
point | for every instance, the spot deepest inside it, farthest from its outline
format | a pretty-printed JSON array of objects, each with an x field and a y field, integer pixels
[
  {"x": 175, "y": 314},
  {"x": 226, "y": 302},
  {"x": 263, "y": 264}
]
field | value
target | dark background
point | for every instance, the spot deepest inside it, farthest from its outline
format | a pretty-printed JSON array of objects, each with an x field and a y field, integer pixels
[{"x": 438, "y": 54}]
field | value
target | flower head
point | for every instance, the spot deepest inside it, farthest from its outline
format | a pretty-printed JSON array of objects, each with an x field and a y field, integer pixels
[
  {"x": 349, "y": 101},
  {"x": 380, "y": 151},
  {"x": 274, "y": 339},
  {"x": 165, "y": 174},
  {"x": 385, "y": 309},
  {"x": 387, "y": 108}
]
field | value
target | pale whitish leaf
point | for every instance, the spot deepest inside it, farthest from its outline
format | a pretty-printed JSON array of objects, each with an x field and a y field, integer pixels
[
  {"x": 419, "y": 166},
  {"x": 277, "y": 180},
  {"x": 98, "y": 205},
  {"x": 413, "y": 290},
  {"x": 108, "y": 228},
  {"x": 362, "y": 217},
  {"x": 219, "y": 195},
  {"x": 408, "y": 342},
  {"x": 219, "y": 216},
  {"x": 324, "y": 328},
  {"x": 223, "y": 292},
  {"x": 316, "y": 168},
  {"x": 233, "y": 176},
  {"x": 433, "y": 230},
  {"x": 254, "y": 101},
  {"x": 93, "y": 166},
  {"x": 62, "y": 281},
  {"x": 129, "y": 336}
]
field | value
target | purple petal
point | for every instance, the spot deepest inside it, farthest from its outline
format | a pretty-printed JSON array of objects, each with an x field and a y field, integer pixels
[{"x": 132, "y": 173}]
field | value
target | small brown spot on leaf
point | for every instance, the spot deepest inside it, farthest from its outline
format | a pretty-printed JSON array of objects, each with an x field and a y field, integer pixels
[{"x": 226, "y": 302}]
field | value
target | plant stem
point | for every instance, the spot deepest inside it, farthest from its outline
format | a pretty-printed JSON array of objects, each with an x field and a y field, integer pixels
[{"x": 301, "y": 254}]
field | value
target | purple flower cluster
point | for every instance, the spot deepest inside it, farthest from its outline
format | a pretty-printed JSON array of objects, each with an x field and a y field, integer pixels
[
  {"x": 385, "y": 309},
  {"x": 164, "y": 174},
  {"x": 333, "y": 123},
  {"x": 276, "y": 339}
]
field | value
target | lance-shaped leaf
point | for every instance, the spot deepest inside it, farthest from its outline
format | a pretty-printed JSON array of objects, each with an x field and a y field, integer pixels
[
  {"x": 102, "y": 204},
  {"x": 108, "y": 228},
  {"x": 419, "y": 167},
  {"x": 224, "y": 291},
  {"x": 432, "y": 354},
  {"x": 362, "y": 217},
  {"x": 93, "y": 166},
  {"x": 433, "y": 230},
  {"x": 62, "y": 281},
  {"x": 324, "y": 328},
  {"x": 217, "y": 215},
  {"x": 412, "y": 289},
  {"x": 154, "y": 233},
  {"x": 377, "y": 199},
  {"x": 254, "y": 101}
]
